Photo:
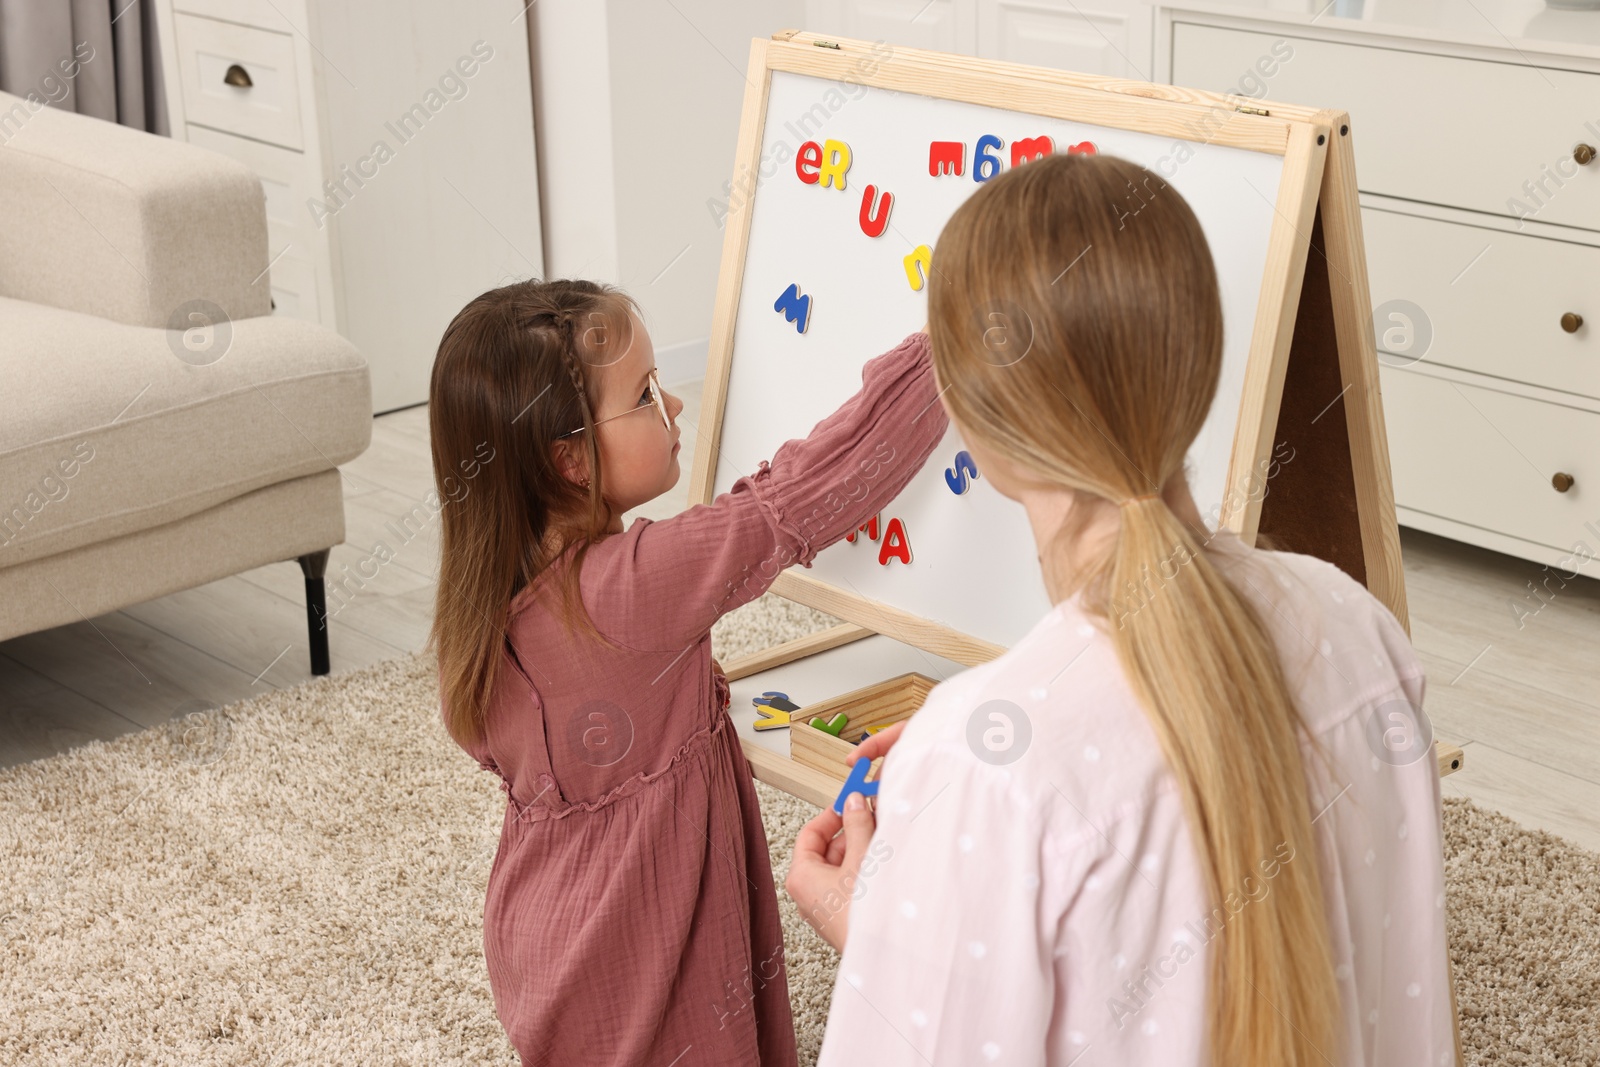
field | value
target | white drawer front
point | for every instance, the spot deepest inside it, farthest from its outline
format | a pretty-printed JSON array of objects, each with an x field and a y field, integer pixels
[
  {"x": 940, "y": 25},
  {"x": 1465, "y": 132},
  {"x": 1091, "y": 37},
  {"x": 1493, "y": 301},
  {"x": 288, "y": 182},
  {"x": 269, "y": 109},
  {"x": 1487, "y": 458},
  {"x": 284, "y": 16}
]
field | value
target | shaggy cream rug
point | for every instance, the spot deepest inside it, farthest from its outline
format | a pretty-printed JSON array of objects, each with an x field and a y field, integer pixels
[{"x": 298, "y": 880}]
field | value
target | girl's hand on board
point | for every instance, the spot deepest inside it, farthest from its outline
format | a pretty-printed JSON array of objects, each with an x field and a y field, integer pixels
[
  {"x": 826, "y": 866},
  {"x": 879, "y": 743}
]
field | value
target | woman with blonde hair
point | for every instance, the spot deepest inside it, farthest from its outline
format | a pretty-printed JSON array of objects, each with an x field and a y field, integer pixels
[{"x": 1193, "y": 816}]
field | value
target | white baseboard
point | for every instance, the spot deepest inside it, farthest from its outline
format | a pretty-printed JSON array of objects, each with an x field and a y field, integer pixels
[
  {"x": 682, "y": 363},
  {"x": 1581, "y": 559}
]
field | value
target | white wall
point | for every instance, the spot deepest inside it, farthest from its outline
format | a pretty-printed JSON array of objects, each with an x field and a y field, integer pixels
[{"x": 637, "y": 112}]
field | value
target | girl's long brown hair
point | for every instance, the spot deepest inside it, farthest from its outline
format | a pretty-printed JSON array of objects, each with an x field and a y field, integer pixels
[
  {"x": 1076, "y": 324},
  {"x": 511, "y": 376}
]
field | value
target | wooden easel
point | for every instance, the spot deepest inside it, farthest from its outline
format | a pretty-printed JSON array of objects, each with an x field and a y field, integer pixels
[
  {"x": 1313, "y": 374},
  {"x": 1312, "y": 379}
]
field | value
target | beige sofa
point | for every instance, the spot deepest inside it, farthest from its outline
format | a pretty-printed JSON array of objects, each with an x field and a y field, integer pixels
[{"x": 138, "y": 459}]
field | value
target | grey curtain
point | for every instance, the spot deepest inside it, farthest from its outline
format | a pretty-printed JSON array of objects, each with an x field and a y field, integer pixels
[{"x": 95, "y": 57}]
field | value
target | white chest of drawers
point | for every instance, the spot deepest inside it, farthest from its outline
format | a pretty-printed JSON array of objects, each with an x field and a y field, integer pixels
[
  {"x": 1478, "y": 160},
  {"x": 395, "y": 146}
]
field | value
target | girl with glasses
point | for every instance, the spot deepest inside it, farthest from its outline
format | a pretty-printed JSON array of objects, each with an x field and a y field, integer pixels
[{"x": 631, "y": 916}]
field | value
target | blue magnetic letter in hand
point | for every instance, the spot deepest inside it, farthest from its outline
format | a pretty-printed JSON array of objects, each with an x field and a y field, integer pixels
[{"x": 856, "y": 783}]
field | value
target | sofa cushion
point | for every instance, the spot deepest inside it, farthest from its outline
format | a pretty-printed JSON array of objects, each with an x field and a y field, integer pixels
[
  {"x": 107, "y": 429},
  {"x": 124, "y": 224}
]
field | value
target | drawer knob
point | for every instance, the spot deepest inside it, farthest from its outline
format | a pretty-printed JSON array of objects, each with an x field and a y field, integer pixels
[
  {"x": 1563, "y": 481},
  {"x": 238, "y": 76},
  {"x": 1571, "y": 321},
  {"x": 1584, "y": 154}
]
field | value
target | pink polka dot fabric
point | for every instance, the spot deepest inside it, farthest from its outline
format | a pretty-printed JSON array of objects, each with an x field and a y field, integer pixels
[{"x": 1040, "y": 903}]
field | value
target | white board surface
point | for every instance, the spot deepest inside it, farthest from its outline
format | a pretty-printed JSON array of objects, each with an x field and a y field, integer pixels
[{"x": 974, "y": 564}]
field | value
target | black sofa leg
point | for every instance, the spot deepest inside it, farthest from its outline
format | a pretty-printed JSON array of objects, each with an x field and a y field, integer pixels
[{"x": 315, "y": 565}]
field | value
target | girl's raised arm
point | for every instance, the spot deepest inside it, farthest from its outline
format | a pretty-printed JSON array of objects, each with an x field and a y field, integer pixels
[{"x": 666, "y": 582}]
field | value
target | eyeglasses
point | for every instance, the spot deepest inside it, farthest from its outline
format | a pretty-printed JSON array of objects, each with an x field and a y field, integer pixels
[{"x": 657, "y": 397}]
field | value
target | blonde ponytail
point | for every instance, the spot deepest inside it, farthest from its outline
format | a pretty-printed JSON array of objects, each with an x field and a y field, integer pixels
[
  {"x": 1207, "y": 672},
  {"x": 1120, "y": 354}
]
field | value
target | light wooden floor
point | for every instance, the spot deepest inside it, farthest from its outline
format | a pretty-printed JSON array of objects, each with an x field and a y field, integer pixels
[{"x": 1522, "y": 699}]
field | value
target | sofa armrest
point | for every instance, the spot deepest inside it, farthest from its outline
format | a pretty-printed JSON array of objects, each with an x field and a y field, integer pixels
[{"x": 125, "y": 225}]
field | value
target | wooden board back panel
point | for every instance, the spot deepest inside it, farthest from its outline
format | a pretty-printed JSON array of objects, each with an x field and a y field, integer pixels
[{"x": 1309, "y": 494}]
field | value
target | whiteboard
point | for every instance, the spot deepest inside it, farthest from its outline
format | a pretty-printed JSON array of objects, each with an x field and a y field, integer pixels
[{"x": 974, "y": 562}]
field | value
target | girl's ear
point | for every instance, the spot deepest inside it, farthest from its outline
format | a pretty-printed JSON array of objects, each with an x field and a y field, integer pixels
[{"x": 572, "y": 460}]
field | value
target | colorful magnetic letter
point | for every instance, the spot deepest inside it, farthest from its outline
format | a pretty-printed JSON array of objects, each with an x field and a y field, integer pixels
[
  {"x": 946, "y": 157},
  {"x": 806, "y": 162},
  {"x": 1083, "y": 148},
  {"x": 831, "y": 726},
  {"x": 835, "y": 161},
  {"x": 985, "y": 165},
  {"x": 870, "y": 528},
  {"x": 795, "y": 308},
  {"x": 870, "y": 225},
  {"x": 956, "y": 477},
  {"x": 872, "y": 730},
  {"x": 856, "y": 783},
  {"x": 895, "y": 544},
  {"x": 1030, "y": 148},
  {"x": 772, "y": 719},
  {"x": 775, "y": 709},
  {"x": 917, "y": 263}
]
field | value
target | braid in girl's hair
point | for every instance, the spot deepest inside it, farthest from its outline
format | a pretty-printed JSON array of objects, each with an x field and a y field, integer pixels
[
  {"x": 565, "y": 320},
  {"x": 570, "y": 359}
]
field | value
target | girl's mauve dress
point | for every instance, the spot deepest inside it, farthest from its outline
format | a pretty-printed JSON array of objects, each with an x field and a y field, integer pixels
[{"x": 631, "y": 916}]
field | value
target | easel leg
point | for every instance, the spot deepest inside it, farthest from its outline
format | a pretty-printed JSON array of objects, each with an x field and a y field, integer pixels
[{"x": 1346, "y": 252}]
